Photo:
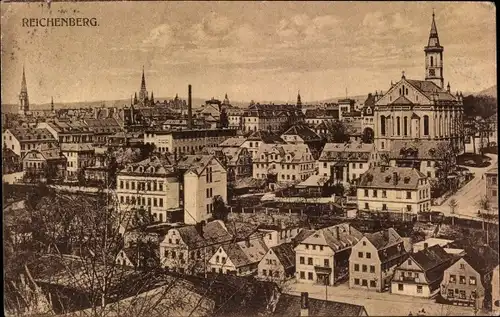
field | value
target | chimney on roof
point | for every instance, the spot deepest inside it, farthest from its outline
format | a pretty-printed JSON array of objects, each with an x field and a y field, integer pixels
[
  {"x": 199, "y": 228},
  {"x": 190, "y": 109},
  {"x": 304, "y": 304},
  {"x": 395, "y": 178}
]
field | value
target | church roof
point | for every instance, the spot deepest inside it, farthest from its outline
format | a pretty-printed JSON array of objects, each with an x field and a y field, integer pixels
[{"x": 431, "y": 90}]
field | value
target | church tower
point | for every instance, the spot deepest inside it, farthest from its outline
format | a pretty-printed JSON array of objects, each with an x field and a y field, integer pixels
[
  {"x": 143, "y": 93},
  {"x": 299, "y": 101},
  {"x": 24, "y": 104},
  {"x": 434, "y": 57}
]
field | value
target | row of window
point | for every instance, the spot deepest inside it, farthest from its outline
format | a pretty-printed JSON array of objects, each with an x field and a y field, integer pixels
[
  {"x": 401, "y": 287},
  {"x": 384, "y": 207},
  {"x": 210, "y": 208},
  {"x": 132, "y": 200},
  {"x": 365, "y": 282},
  {"x": 144, "y": 185},
  {"x": 384, "y": 194},
  {"x": 460, "y": 294},
  {"x": 310, "y": 275},
  {"x": 325, "y": 165},
  {"x": 462, "y": 280},
  {"x": 364, "y": 268},
  {"x": 209, "y": 192},
  {"x": 271, "y": 273},
  {"x": 326, "y": 262}
]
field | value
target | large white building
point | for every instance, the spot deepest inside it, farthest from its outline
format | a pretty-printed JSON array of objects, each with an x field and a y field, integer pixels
[
  {"x": 420, "y": 109},
  {"x": 284, "y": 162},
  {"x": 394, "y": 189},
  {"x": 164, "y": 187}
]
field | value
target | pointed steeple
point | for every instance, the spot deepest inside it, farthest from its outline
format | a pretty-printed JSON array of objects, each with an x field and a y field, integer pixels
[
  {"x": 143, "y": 81},
  {"x": 52, "y": 104},
  {"x": 24, "y": 87},
  {"x": 433, "y": 35},
  {"x": 135, "y": 98},
  {"x": 448, "y": 87},
  {"x": 299, "y": 101},
  {"x": 152, "y": 100}
]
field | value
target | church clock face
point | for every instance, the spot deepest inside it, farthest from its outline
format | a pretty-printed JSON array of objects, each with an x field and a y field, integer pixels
[{"x": 432, "y": 72}]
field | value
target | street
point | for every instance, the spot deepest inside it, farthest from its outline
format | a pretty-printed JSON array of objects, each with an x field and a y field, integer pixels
[
  {"x": 468, "y": 196},
  {"x": 382, "y": 304}
]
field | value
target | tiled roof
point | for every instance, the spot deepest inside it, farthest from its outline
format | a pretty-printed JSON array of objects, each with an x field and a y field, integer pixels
[
  {"x": 384, "y": 238},
  {"x": 337, "y": 237},
  {"x": 482, "y": 258},
  {"x": 303, "y": 234},
  {"x": 285, "y": 254},
  {"x": 432, "y": 261},
  {"x": 77, "y": 147},
  {"x": 322, "y": 113},
  {"x": 422, "y": 149},
  {"x": 160, "y": 165},
  {"x": 314, "y": 181},
  {"x": 214, "y": 233},
  {"x": 297, "y": 152},
  {"x": 195, "y": 163},
  {"x": 31, "y": 134},
  {"x": 241, "y": 230},
  {"x": 266, "y": 137},
  {"x": 233, "y": 142},
  {"x": 429, "y": 88},
  {"x": 346, "y": 151},
  {"x": 244, "y": 253},
  {"x": 49, "y": 152},
  {"x": 290, "y": 305},
  {"x": 304, "y": 132},
  {"x": 383, "y": 177}
]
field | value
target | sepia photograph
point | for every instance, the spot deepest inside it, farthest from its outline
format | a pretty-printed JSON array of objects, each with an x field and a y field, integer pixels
[{"x": 249, "y": 158}]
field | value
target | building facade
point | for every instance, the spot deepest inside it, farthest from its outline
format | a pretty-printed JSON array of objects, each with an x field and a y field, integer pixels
[{"x": 492, "y": 187}]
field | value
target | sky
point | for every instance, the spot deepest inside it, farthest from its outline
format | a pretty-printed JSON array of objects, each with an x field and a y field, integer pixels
[{"x": 258, "y": 51}]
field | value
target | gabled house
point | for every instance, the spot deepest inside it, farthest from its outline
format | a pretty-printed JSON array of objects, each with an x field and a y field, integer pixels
[
  {"x": 45, "y": 163},
  {"x": 323, "y": 257},
  {"x": 302, "y": 134},
  {"x": 240, "y": 258},
  {"x": 187, "y": 249},
  {"x": 139, "y": 255},
  {"x": 374, "y": 258},
  {"x": 421, "y": 274},
  {"x": 258, "y": 138},
  {"x": 237, "y": 161},
  {"x": 468, "y": 281},
  {"x": 278, "y": 263}
]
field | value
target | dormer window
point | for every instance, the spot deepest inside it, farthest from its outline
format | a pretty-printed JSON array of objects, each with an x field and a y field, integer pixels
[{"x": 141, "y": 169}]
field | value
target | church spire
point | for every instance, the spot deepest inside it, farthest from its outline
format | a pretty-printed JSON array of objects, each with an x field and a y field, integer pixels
[
  {"x": 52, "y": 103},
  {"x": 152, "y": 100},
  {"x": 299, "y": 101},
  {"x": 143, "y": 81},
  {"x": 24, "y": 87},
  {"x": 433, "y": 35}
]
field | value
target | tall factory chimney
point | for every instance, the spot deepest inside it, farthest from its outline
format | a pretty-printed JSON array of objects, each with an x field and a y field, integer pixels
[{"x": 190, "y": 109}]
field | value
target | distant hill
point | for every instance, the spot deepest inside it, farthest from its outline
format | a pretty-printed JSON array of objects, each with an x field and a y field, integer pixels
[{"x": 492, "y": 92}]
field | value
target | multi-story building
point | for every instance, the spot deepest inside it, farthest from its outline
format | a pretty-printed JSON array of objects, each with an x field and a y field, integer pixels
[
  {"x": 469, "y": 279},
  {"x": 492, "y": 187},
  {"x": 302, "y": 134},
  {"x": 421, "y": 274},
  {"x": 271, "y": 117},
  {"x": 258, "y": 138},
  {"x": 239, "y": 258},
  {"x": 79, "y": 156},
  {"x": 187, "y": 249},
  {"x": 204, "y": 178},
  {"x": 102, "y": 129},
  {"x": 345, "y": 162},
  {"x": 22, "y": 140},
  {"x": 313, "y": 117},
  {"x": 420, "y": 109},
  {"x": 235, "y": 117},
  {"x": 323, "y": 257},
  {"x": 45, "y": 163},
  {"x": 283, "y": 163},
  {"x": 165, "y": 187},
  {"x": 278, "y": 263},
  {"x": 69, "y": 131},
  {"x": 152, "y": 184},
  {"x": 394, "y": 189},
  {"x": 186, "y": 141},
  {"x": 237, "y": 161},
  {"x": 274, "y": 235},
  {"x": 374, "y": 258}
]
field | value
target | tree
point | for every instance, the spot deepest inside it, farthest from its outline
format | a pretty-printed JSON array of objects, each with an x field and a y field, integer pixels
[
  {"x": 367, "y": 136},
  {"x": 482, "y": 106},
  {"x": 484, "y": 203},
  {"x": 445, "y": 155},
  {"x": 220, "y": 208},
  {"x": 453, "y": 204},
  {"x": 338, "y": 131}
]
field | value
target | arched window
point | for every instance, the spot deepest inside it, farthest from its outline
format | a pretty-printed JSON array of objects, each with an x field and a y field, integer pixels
[
  {"x": 382, "y": 125},
  {"x": 403, "y": 90},
  {"x": 400, "y": 91},
  {"x": 432, "y": 61},
  {"x": 426, "y": 125},
  {"x": 405, "y": 125},
  {"x": 398, "y": 126}
]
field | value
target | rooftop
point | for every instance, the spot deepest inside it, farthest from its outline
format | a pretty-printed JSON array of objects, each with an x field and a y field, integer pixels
[{"x": 391, "y": 178}]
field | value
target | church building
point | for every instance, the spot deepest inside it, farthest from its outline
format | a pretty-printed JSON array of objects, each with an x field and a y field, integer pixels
[{"x": 420, "y": 111}]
